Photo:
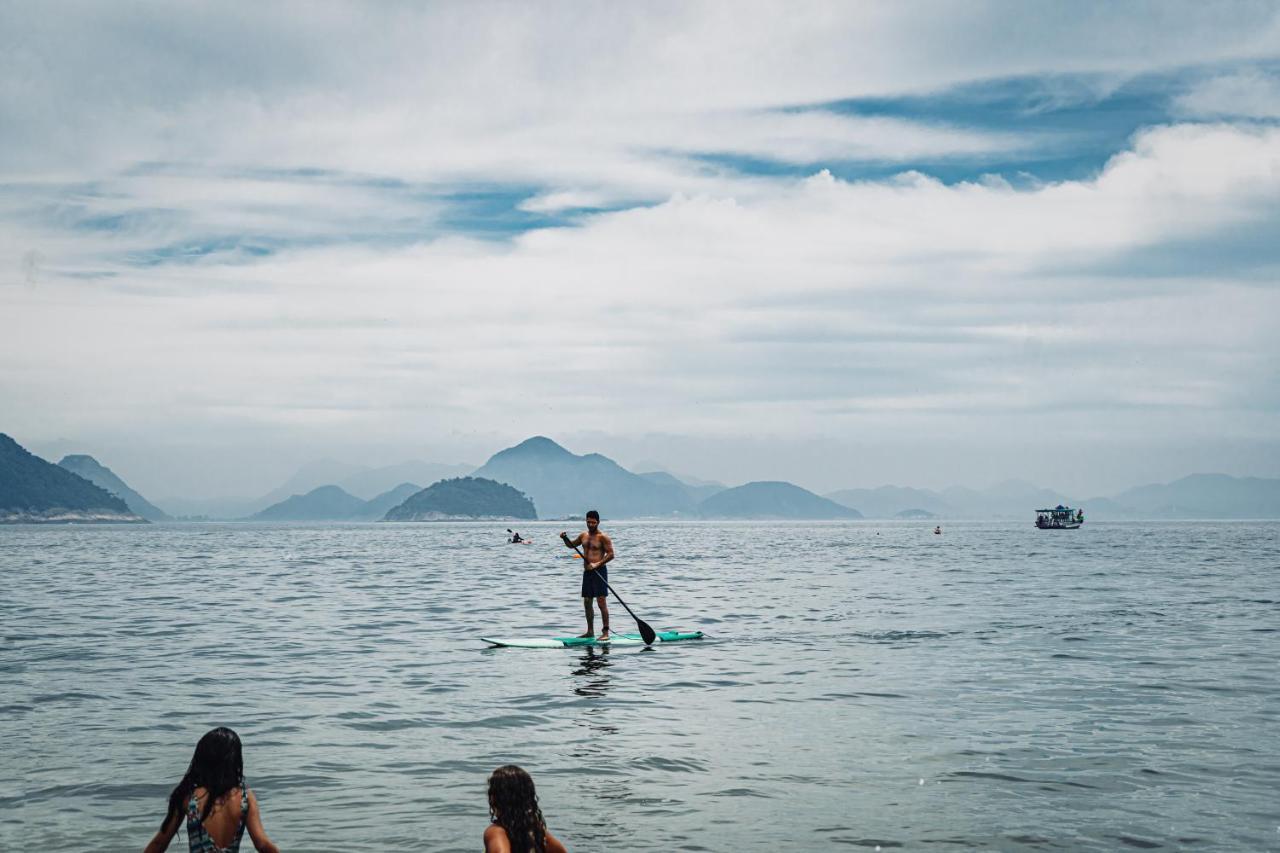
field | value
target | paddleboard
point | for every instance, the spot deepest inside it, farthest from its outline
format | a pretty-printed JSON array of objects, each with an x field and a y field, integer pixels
[{"x": 570, "y": 642}]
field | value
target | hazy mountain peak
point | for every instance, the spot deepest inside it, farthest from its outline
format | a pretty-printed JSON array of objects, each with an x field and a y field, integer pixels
[
  {"x": 538, "y": 445},
  {"x": 323, "y": 503},
  {"x": 773, "y": 499},
  {"x": 84, "y": 465},
  {"x": 78, "y": 459},
  {"x": 564, "y": 484}
]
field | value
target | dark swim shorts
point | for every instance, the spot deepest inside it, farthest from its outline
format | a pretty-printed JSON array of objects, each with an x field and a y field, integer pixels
[{"x": 593, "y": 583}]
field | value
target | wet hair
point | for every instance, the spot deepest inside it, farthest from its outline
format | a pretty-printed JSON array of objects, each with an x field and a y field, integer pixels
[
  {"x": 217, "y": 766},
  {"x": 591, "y": 513},
  {"x": 513, "y": 805}
]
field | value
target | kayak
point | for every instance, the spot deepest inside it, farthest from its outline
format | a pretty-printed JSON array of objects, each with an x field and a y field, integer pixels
[{"x": 570, "y": 642}]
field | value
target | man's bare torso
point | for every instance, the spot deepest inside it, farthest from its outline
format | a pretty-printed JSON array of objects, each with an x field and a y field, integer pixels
[{"x": 594, "y": 547}]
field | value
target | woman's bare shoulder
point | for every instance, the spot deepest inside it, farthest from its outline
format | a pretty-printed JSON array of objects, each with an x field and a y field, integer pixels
[{"x": 495, "y": 840}]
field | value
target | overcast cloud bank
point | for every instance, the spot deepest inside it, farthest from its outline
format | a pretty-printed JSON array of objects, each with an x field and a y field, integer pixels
[{"x": 921, "y": 245}]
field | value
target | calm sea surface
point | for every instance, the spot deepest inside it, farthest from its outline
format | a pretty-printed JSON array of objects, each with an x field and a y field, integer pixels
[{"x": 862, "y": 684}]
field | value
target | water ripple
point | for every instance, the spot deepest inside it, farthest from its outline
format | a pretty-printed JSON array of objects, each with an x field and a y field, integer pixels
[{"x": 861, "y": 685}]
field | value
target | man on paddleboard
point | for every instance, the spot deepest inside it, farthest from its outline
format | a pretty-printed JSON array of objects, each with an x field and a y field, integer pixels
[{"x": 598, "y": 551}]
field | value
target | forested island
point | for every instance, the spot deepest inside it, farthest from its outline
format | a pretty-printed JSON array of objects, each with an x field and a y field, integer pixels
[{"x": 464, "y": 498}]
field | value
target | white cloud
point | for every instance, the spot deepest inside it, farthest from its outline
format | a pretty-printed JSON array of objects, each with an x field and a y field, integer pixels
[
  {"x": 1243, "y": 94},
  {"x": 664, "y": 307},
  {"x": 727, "y": 304}
]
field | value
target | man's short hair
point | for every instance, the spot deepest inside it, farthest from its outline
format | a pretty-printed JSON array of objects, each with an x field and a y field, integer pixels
[{"x": 591, "y": 513}]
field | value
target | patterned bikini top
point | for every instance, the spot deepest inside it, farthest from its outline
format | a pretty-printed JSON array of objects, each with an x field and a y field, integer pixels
[{"x": 198, "y": 837}]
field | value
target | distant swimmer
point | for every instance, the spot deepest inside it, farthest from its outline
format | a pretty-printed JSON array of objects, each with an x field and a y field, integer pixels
[
  {"x": 516, "y": 819},
  {"x": 937, "y": 529},
  {"x": 213, "y": 800},
  {"x": 597, "y": 551}
]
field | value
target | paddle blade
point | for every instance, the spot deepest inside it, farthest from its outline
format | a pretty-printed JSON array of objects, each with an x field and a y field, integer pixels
[{"x": 646, "y": 633}]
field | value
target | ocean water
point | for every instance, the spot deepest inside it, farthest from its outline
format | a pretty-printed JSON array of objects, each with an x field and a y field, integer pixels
[{"x": 862, "y": 685}]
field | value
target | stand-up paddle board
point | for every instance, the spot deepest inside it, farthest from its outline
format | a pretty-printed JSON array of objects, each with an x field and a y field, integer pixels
[{"x": 569, "y": 642}]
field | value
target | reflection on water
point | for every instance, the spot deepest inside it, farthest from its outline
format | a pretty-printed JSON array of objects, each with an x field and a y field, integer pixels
[
  {"x": 592, "y": 667},
  {"x": 591, "y": 681}
]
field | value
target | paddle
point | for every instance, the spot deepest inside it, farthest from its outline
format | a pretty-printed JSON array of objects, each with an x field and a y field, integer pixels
[{"x": 646, "y": 633}]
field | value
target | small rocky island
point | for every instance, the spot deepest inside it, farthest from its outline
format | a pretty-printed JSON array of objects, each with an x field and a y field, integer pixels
[
  {"x": 33, "y": 491},
  {"x": 464, "y": 499}
]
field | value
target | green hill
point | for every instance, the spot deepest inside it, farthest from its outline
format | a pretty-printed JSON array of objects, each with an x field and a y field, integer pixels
[
  {"x": 462, "y": 498},
  {"x": 33, "y": 490}
]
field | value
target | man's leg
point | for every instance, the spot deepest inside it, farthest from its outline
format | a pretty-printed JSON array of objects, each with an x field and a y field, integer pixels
[
  {"x": 591, "y": 619},
  {"x": 603, "y": 601}
]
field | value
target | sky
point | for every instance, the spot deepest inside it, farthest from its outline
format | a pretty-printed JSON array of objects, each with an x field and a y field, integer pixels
[{"x": 839, "y": 244}]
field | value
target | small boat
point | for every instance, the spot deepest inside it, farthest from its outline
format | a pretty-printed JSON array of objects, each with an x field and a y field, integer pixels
[{"x": 1059, "y": 518}]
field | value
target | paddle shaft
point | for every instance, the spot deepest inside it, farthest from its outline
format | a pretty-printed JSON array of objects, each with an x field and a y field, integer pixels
[{"x": 647, "y": 633}]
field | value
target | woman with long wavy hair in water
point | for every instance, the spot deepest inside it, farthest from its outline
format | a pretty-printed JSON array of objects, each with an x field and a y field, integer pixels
[
  {"x": 517, "y": 825},
  {"x": 216, "y": 803}
]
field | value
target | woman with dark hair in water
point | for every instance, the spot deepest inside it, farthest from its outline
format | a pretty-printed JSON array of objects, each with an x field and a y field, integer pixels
[
  {"x": 517, "y": 825},
  {"x": 217, "y": 804}
]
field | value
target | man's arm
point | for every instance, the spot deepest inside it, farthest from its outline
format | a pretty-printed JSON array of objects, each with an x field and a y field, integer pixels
[{"x": 570, "y": 543}]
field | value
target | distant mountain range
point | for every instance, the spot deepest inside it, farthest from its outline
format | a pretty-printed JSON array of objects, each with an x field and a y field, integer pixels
[
  {"x": 377, "y": 507},
  {"x": 357, "y": 481},
  {"x": 98, "y": 474},
  {"x": 361, "y": 482},
  {"x": 697, "y": 492},
  {"x": 326, "y": 503},
  {"x": 1205, "y": 496},
  {"x": 33, "y": 490},
  {"x": 562, "y": 484},
  {"x": 1196, "y": 496},
  {"x": 772, "y": 500},
  {"x": 372, "y": 482},
  {"x": 333, "y": 503},
  {"x": 889, "y": 501}
]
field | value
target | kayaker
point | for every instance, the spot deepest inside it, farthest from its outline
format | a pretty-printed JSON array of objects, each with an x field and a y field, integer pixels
[
  {"x": 516, "y": 820},
  {"x": 515, "y": 538},
  {"x": 597, "y": 548}
]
